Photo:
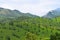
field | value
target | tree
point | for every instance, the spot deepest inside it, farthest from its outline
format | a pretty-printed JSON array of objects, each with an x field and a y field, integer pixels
[
  {"x": 55, "y": 37},
  {"x": 30, "y": 36}
]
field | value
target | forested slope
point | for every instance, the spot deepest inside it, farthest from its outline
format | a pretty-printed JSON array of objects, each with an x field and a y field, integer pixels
[{"x": 29, "y": 28}]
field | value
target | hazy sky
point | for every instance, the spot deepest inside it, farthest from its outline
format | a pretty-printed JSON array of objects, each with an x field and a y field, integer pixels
[{"x": 37, "y": 7}]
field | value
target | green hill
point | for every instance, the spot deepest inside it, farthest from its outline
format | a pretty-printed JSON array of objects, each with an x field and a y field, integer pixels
[
  {"x": 53, "y": 13},
  {"x": 27, "y": 26},
  {"x": 7, "y": 13}
]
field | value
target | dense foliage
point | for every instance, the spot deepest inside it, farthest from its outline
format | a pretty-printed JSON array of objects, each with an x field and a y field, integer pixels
[{"x": 29, "y": 28}]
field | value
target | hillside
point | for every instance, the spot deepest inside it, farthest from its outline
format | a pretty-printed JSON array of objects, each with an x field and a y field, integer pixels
[
  {"x": 7, "y": 13},
  {"x": 53, "y": 13},
  {"x": 27, "y": 26}
]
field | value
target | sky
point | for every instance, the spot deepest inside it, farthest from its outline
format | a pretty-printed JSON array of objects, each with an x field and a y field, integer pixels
[{"x": 36, "y": 7}]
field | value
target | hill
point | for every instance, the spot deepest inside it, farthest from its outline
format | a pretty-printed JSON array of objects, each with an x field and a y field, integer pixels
[
  {"x": 53, "y": 13},
  {"x": 27, "y": 26},
  {"x": 7, "y": 13}
]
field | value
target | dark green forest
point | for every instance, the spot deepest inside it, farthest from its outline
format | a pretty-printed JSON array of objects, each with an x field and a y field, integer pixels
[{"x": 30, "y": 28}]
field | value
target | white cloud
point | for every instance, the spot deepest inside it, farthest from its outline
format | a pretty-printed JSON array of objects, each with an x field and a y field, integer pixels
[
  {"x": 6, "y": 6},
  {"x": 37, "y": 7},
  {"x": 15, "y": 0}
]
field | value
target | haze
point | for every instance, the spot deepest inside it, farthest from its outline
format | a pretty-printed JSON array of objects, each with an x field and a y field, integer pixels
[{"x": 36, "y": 7}]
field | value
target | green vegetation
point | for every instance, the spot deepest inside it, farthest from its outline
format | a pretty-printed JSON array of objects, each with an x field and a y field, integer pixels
[
  {"x": 56, "y": 36},
  {"x": 7, "y": 13},
  {"x": 15, "y": 25},
  {"x": 29, "y": 28}
]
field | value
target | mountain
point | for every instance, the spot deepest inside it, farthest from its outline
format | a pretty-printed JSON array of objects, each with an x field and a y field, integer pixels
[
  {"x": 7, "y": 13},
  {"x": 25, "y": 26},
  {"x": 53, "y": 13}
]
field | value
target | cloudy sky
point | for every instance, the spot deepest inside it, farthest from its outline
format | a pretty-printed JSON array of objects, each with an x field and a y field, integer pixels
[{"x": 37, "y": 7}]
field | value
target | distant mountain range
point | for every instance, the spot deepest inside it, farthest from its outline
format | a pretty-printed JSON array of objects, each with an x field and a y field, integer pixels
[
  {"x": 53, "y": 13},
  {"x": 7, "y": 13}
]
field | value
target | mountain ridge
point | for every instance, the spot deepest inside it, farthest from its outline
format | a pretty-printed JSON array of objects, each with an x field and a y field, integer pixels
[
  {"x": 53, "y": 13},
  {"x": 13, "y": 13}
]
